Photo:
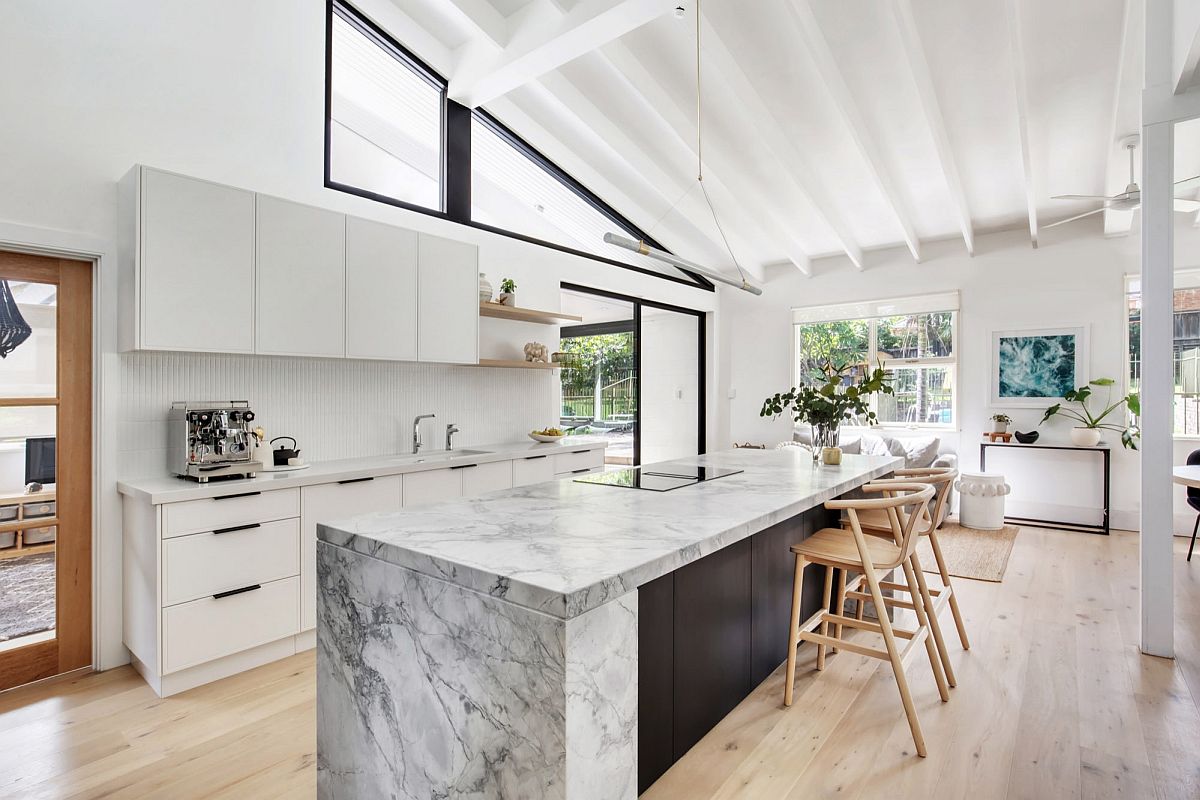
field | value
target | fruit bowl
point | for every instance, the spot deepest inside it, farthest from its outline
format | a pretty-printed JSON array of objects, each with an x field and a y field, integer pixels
[{"x": 548, "y": 435}]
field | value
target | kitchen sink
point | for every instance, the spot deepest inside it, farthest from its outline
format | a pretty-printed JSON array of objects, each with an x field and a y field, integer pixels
[{"x": 439, "y": 455}]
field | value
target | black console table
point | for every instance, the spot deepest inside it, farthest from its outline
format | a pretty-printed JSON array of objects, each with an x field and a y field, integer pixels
[{"x": 1101, "y": 449}]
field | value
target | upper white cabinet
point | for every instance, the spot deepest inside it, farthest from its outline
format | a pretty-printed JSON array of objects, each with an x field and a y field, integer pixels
[
  {"x": 381, "y": 291},
  {"x": 448, "y": 308},
  {"x": 300, "y": 299},
  {"x": 189, "y": 279},
  {"x": 214, "y": 269}
]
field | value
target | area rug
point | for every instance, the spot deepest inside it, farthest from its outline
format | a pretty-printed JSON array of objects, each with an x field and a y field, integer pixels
[
  {"x": 26, "y": 595},
  {"x": 969, "y": 553}
]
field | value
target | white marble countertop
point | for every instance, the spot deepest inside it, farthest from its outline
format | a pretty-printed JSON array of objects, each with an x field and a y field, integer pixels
[
  {"x": 563, "y": 547},
  {"x": 173, "y": 489}
]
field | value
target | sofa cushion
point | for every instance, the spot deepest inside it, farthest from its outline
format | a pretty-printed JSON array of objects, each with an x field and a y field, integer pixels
[{"x": 920, "y": 452}]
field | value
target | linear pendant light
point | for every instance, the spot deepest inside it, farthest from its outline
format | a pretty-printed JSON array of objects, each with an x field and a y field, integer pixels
[
  {"x": 653, "y": 252},
  {"x": 646, "y": 250}
]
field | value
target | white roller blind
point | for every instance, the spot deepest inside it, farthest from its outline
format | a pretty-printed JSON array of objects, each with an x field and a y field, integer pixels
[{"x": 867, "y": 309}]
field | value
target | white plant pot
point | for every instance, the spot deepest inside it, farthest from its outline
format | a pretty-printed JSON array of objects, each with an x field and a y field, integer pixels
[
  {"x": 508, "y": 299},
  {"x": 981, "y": 500},
  {"x": 999, "y": 427},
  {"x": 1085, "y": 437}
]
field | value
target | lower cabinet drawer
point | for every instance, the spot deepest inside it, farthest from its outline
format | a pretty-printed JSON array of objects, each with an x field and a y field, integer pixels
[
  {"x": 483, "y": 478},
  {"x": 212, "y": 627},
  {"x": 532, "y": 469},
  {"x": 204, "y": 564},
  {"x": 223, "y": 511},
  {"x": 580, "y": 461}
]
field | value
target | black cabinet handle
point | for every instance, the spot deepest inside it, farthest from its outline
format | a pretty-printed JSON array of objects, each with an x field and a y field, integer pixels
[
  {"x": 465, "y": 466},
  {"x": 354, "y": 480},
  {"x": 232, "y": 592},
  {"x": 577, "y": 471},
  {"x": 577, "y": 452},
  {"x": 235, "y": 496},
  {"x": 251, "y": 526},
  {"x": 534, "y": 458}
]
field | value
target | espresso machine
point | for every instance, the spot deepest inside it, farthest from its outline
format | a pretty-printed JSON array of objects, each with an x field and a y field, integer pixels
[{"x": 212, "y": 439}]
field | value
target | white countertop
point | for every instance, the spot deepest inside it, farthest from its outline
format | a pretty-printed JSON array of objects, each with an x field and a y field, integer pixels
[
  {"x": 563, "y": 547},
  {"x": 173, "y": 489}
]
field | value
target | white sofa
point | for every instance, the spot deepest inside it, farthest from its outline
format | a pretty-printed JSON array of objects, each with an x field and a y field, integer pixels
[{"x": 918, "y": 448}]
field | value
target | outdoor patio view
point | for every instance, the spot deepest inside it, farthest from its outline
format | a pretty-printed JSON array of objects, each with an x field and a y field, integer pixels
[{"x": 599, "y": 390}]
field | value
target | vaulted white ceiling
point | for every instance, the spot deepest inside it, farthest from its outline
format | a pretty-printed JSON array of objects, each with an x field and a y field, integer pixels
[{"x": 830, "y": 126}]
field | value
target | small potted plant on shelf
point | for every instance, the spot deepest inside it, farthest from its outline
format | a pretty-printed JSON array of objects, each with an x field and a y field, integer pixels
[
  {"x": 508, "y": 293},
  {"x": 826, "y": 405},
  {"x": 1000, "y": 422},
  {"x": 1087, "y": 433}
]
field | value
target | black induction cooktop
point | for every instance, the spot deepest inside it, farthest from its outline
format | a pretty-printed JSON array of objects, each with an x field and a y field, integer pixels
[{"x": 658, "y": 479}]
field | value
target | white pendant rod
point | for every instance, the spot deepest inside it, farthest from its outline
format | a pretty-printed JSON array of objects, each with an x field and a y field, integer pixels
[{"x": 682, "y": 263}]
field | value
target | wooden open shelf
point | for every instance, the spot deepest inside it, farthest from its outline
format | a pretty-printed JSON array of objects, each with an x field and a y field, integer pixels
[
  {"x": 525, "y": 314},
  {"x": 514, "y": 364}
]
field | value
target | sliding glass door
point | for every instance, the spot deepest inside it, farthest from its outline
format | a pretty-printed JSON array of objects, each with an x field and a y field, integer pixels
[{"x": 635, "y": 376}]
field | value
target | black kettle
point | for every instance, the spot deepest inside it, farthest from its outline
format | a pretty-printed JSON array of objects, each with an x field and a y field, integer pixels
[{"x": 281, "y": 455}]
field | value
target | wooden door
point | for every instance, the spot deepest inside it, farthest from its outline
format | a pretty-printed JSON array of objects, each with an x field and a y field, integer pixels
[{"x": 46, "y": 391}]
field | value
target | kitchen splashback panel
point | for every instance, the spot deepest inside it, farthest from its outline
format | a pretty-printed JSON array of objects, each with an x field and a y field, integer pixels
[{"x": 335, "y": 408}]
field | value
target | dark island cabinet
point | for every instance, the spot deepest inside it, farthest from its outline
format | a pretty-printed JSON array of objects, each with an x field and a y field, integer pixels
[{"x": 711, "y": 631}]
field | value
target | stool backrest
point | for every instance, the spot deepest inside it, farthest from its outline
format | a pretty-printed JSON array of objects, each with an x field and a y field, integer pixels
[
  {"x": 940, "y": 478},
  {"x": 1192, "y": 460},
  {"x": 905, "y": 502}
]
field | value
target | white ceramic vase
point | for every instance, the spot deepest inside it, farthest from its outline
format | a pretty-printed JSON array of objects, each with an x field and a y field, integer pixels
[
  {"x": 485, "y": 289},
  {"x": 981, "y": 500},
  {"x": 1085, "y": 437}
]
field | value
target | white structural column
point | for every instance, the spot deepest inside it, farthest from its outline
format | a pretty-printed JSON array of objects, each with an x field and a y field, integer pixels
[{"x": 1157, "y": 607}]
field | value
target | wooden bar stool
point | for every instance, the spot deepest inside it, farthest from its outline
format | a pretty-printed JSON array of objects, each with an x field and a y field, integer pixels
[
  {"x": 876, "y": 523},
  {"x": 904, "y": 504}
]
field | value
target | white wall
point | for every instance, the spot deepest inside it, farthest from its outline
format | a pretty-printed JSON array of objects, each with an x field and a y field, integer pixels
[
  {"x": 228, "y": 91},
  {"x": 1076, "y": 277}
]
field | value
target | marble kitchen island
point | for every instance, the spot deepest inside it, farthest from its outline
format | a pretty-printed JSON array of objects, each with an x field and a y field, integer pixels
[{"x": 561, "y": 640}]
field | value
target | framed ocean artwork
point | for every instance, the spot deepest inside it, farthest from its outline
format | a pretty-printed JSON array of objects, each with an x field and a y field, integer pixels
[{"x": 1037, "y": 367}]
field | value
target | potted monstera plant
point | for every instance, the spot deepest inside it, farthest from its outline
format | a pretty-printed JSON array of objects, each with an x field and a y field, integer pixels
[
  {"x": 825, "y": 406},
  {"x": 1087, "y": 432}
]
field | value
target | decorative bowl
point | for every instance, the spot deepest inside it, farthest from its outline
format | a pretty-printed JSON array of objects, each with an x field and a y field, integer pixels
[
  {"x": 538, "y": 437},
  {"x": 1026, "y": 438}
]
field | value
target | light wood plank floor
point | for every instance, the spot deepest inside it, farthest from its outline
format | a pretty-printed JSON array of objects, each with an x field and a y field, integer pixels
[{"x": 1054, "y": 701}]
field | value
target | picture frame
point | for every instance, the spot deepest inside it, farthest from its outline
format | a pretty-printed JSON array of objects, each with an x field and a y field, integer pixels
[{"x": 1034, "y": 368}]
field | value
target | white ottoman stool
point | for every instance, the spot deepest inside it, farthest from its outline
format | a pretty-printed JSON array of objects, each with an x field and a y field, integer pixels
[{"x": 981, "y": 500}]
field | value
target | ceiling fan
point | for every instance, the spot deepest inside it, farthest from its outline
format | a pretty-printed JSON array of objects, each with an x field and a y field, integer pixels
[{"x": 1131, "y": 198}]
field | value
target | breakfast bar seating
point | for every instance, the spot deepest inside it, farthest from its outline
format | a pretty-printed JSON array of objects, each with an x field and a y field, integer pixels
[{"x": 905, "y": 503}]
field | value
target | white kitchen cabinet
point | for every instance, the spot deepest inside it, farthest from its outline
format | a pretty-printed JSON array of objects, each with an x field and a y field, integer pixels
[
  {"x": 300, "y": 294},
  {"x": 490, "y": 477},
  {"x": 448, "y": 304},
  {"x": 532, "y": 469},
  {"x": 432, "y": 486},
  {"x": 187, "y": 278},
  {"x": 381, "y": 291},
  {"x": 333, "y": 501},
  {"x": 578, "y": 462}
]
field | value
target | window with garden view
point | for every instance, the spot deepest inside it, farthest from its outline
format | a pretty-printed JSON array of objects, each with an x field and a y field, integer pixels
[
  {"x": 914, "y": 346},
  {"x": 1185, "y": 348}
]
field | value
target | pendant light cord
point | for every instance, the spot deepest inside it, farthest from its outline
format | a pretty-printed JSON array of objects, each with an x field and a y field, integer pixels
[{"x": 700, "y": 152}]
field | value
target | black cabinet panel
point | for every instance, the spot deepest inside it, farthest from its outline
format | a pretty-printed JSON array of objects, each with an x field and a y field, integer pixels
[
  {"x": 773, "y": 569},
  {"x": 656, "y": 666},
  {"x": 712, "y": 641}
]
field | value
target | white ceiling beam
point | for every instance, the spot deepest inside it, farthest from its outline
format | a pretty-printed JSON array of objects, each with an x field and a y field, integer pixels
[
  {"x": 1126, "y": 113},
  {"x": 1016, "y": 47},
  {"x": 910, "y": 39},
  {"x": 801, "y": 13},
  {"x": 545, "y": 39},
  {"x": 729, "y": 180},
  {"x": 794, "y": 164}
]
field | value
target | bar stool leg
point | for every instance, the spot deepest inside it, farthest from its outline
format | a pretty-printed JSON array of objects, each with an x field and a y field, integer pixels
[
  {"x": 935, "y": 626},
  {"x": 794, "y": 631},
  {"x": 919, "y": 608},
  {"x": 839, "y": 605},
  {"x": 889, "y": 640},
  {"x": 826, "y": 599},
  {"x": 945, "y": 574}
]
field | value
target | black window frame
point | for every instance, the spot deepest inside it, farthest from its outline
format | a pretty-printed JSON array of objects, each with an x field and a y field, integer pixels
[{"x": 455, "y": 178}]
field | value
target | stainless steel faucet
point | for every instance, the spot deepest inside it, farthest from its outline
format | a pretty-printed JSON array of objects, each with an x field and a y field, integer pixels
[
  {"x": 451, "y": 429},
  {"x": 417, "y": 430}
]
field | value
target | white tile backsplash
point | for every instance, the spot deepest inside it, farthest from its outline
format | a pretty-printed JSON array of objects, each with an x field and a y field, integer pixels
[{"x": 336, "y": 408}]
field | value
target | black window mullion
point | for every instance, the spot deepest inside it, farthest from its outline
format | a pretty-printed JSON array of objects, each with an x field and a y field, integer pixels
[{"x": 456, "y": 162}]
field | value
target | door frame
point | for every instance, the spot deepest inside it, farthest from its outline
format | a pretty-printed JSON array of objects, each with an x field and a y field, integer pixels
[
  {"x": 108, "y": 649},
  {"x": 701, "y": 355}
]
